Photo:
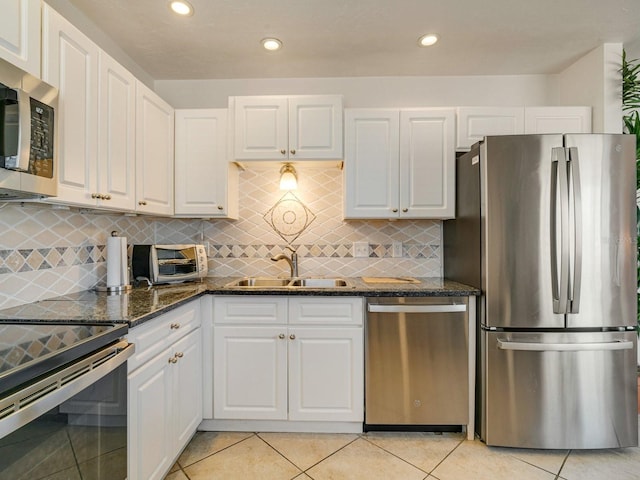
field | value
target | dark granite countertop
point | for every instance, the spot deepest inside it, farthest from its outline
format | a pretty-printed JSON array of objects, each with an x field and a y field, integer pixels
[{"x": 144, "y": 303}]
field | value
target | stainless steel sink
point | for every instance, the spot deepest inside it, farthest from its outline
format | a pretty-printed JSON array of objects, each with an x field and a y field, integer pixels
[
  {"x": 260, "y": 282},
  {"x": 271, "y": 282},
  {"x": 319, "y": 282}
]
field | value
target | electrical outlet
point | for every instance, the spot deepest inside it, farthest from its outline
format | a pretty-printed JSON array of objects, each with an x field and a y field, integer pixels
[
  {"x": 396, "y": 250},
  {"x": 360, "y": 249}
]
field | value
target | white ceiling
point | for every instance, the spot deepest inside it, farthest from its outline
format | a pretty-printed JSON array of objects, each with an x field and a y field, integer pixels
[{"x": 338, "y": 38}]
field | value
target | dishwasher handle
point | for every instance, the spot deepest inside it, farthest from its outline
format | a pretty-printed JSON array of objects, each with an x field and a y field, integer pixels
[{"x": 404, "y": 308}]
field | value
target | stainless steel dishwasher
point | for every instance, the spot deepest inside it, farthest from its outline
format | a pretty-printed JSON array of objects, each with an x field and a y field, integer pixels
[{"x": 416, "y": 363}]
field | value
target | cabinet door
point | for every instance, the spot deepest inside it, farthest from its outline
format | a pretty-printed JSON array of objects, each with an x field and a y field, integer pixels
[
  {"x": 149, "y": 420},
  {"x": 20, "y": 34},
  {"x": 326, "y": 379},
  {"x": 70, "y": 63},
  {"x": 116, "y": 137},
  {"x": 187, "y": 388},
  {"x": 474, "y": 123},
  {"x": 202, "y": 171},
  {"x": 371, "y": 167},
  {"x": 315, "y": 127},
  {"x": 260, "y": 128},
  {"x": 250, "y": 373},
  {"x": 557, "y": 120},
  {"x": 427, "y": 163},
  {"x": 154, "y": 153}
]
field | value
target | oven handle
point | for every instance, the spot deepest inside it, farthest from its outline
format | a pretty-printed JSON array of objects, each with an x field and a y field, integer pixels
[
  {"x": 564, "y": 347},
  {"x": 417, "y": 308},
  {"x": 30, "y": 402}
]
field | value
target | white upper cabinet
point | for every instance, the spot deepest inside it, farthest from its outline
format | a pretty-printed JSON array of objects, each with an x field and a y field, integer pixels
[
  {"x": 96, "y": 119},
  {"x": 154, "y": 152},
  {"x": 307, "y": 127},
  {"x": 70, "y": 63},
  {"x": 206, "y": 183},
  {"x": 116, "y": 135},
  {"x": 557, "y": 120},
  {"x": 475, "y": 123},
  {"x": 20, "y": 34},
  {"x": 399, "y": 163}
]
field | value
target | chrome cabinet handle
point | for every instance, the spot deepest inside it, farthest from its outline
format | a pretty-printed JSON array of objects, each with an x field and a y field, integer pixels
[
  {"x": 281, "y": 336},
  {"x": 292, "y": 336},
  {"x": 174, "y": 326}
]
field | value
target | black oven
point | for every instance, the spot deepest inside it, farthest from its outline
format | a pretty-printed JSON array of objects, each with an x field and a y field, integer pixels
[{"x": 63, "y": 401}]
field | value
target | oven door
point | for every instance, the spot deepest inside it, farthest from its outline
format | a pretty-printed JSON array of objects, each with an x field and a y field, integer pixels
[{"x": 70, "y": 424}]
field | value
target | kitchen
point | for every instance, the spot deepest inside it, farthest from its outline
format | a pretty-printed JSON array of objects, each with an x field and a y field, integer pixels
[{"x": 53, "y": 251}]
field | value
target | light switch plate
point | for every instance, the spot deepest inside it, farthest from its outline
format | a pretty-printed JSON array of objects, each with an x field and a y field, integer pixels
[{"x": 361, "y": 249}]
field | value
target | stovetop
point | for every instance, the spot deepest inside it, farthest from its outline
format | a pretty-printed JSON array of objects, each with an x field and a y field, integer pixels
[{"x": 30, "y": 350}]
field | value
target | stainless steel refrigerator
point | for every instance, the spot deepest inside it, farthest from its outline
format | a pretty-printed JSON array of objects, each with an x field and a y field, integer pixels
[{"x": 546, "y": 227}]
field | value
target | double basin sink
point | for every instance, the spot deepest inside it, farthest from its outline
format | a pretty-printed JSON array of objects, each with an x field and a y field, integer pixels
[{"x": 275, "y": 282}]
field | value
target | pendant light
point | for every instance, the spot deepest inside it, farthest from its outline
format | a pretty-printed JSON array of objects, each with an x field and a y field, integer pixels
[{"x": 288, "y": 177}]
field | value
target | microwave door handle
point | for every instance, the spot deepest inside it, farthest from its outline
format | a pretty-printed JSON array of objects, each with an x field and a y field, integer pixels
[{"x": 24, "y": 139}]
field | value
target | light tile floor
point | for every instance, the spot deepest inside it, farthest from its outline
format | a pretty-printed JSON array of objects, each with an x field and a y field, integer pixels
[{"x": 388, "y": 456}]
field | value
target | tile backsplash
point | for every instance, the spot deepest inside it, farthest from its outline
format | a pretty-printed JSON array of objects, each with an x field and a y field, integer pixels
[{"x": 45, "y": 251}]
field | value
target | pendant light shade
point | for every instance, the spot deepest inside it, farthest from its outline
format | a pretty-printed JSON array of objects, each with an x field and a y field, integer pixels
[{"x": 288, "y": 177}]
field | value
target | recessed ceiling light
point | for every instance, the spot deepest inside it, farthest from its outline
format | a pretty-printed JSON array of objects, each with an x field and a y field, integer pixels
[
  {"x": 427, "y": 40},
  {"x": 271, "y": 44},
  {"x": 181, "y": 7}
]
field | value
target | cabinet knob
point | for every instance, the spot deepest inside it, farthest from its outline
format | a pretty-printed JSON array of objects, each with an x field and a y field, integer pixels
[
  {"x": 281, "y": 336},
  {"x": 106, "y": 197},
  {"x": 142, "y": 202},
  {"x": 395, "y": 210},
  {"x": 95, "y": 195},
  {"x": 179, "y": 354},
  {"x": 173, "y": 360},
  {"x": 292, "y": 151},
  {"x": 283, "y": 151},
  {"x": 220, "y": 207},
  {"x": 174, "y": 326},
  {"x": 405, "y": 210},
  {"x": 292, "y": 336}
]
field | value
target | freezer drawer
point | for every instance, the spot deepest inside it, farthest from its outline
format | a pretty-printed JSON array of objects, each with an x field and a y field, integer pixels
[
  {"x": 416, "y": 362},
  {"x": 559, "y": 390}
]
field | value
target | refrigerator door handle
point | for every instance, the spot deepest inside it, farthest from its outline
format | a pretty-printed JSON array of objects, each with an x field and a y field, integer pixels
[
  {"x": 575, "y": 231},
  {"x": 560, "y": 248},
  {"x": 564, "y": 347}
]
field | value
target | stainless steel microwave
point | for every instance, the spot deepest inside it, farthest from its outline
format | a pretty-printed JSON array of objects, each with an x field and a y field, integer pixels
[
  {"x": 168, "y": 263},
  {"x": 28, "y": 160}
]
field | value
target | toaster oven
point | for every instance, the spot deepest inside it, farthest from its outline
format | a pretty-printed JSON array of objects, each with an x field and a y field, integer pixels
[{"x": 168, "y": 263}]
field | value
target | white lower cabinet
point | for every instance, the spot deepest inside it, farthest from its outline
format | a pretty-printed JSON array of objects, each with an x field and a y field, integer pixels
[
  {"x": 164, "y": 390},
  {"x": 293, "y": 359}
]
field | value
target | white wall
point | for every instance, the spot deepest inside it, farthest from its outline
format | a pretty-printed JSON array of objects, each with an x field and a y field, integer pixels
[
  {"x": 594, "y": 80},
  {"x": 368, "y": 91}
]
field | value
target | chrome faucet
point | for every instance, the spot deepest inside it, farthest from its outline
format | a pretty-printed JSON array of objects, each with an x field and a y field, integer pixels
[{"x": 292, "y": 261}]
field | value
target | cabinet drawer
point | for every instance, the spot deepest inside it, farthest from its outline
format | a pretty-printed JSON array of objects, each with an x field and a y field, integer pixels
[
  {"x": 158, "y": 334},
  {"x": 249, "y": 310},
  {"x": 326, "y": 311}
]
